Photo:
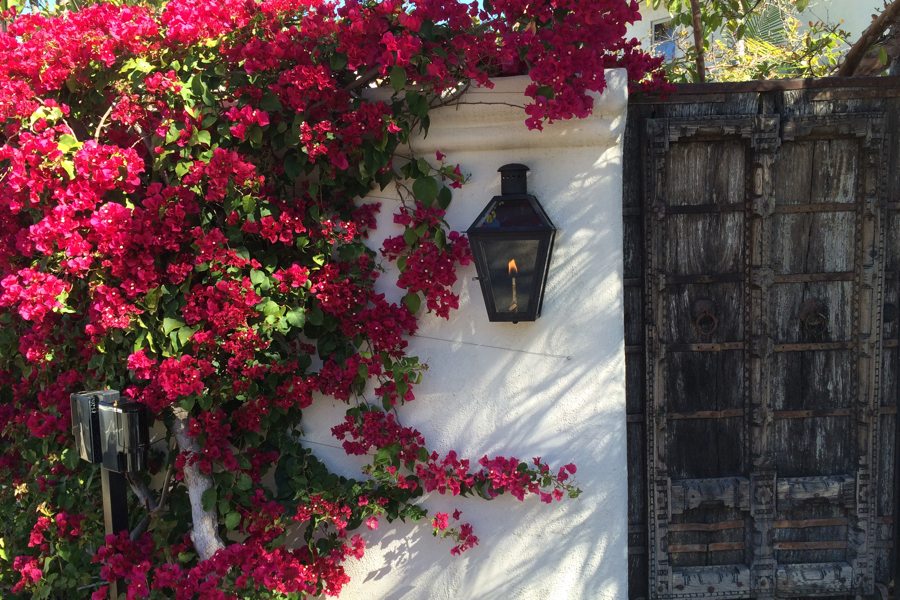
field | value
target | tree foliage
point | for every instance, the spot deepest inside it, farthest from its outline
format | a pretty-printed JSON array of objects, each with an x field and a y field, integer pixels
[{"x": 739, "y": 40}]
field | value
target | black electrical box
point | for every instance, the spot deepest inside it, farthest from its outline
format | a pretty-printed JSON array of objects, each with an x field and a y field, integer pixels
[{"x": 109, "y": 431}]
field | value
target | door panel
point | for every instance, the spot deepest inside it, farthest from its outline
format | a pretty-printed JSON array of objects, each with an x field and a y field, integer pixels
[{"x": 764, "y": 291}]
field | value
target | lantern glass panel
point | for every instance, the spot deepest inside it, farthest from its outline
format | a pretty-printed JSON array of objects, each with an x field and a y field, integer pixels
[
  {"x": 512, "y": 269},
  {"x": 506, "y": 212}
]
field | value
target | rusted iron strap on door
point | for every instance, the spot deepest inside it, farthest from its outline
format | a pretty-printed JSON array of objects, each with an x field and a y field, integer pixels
[
  {"x": 834, "y": 545},
  {"x": 705, "y": 347},
  {"x": 813, "y": 277},
  {"x": 728, "y": 413},
  {"x": 716, "y": 547},
  {"x": 704, "y": 278},
  {"x": 804, "y": 523},
  {"x": 695, "y": 209},
  {"x": 809, "y": 414},
  {"x": 814, "y": 346},
  {"x": 820, "y": 207},
  {"x": 720, "y": 526}
]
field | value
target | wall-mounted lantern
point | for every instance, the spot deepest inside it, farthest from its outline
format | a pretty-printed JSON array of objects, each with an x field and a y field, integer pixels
[
  {"x": 512, "y": 240},
  {"x": 109, "y": 431},
  {"x": 115, "y": 435}
]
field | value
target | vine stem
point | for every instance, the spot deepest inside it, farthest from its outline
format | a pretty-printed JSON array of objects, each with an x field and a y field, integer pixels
[{"x": 206, "y": 536}]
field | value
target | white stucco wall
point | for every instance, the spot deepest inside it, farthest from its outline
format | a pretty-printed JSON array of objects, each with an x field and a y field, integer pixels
[{"x": 554, "y": 388}]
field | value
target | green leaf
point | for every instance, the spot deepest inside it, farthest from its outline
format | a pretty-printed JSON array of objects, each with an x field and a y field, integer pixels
[
  {"x": 203, "y": 137},
  {"x": 316, "y": 317},
  {"x": 208, "y": 499},
  {"x": 232, "y": 520},
  {"x": 183, "y": 168},
  {"x": 338, "y": 61},
  {"x": 383, "y": 456},
  {"x": 151, "y": 300},
  {"x": 70, "y": 458},
  {"x": 296, "y": 317},
  {"x": 882, "y": 55},
  {"x": 243, "y": 482},
  {"x": 173, "y": 134},
  {"x": 197, "y": 85},
  {"x": 398, "y": 78},
  {"x": 270, "y": 102},
  {"x": 412, "y": 302},
  {"x": 440, "y": 239},
  {"x": 255, "y": 136},
  {"x": 801, "y": 5},
  {"x": 257, "y": 277},
  {"x": 249, "y": 204},
  {"x": 69, "y": 166},
  {"x": 140, "y": 339},
  {"x": 426, "y": 190},
  {"x": 271, "y": 308},
  {"x": 292, "y": 166},
  {"x": 170, "y": 324},
  {"x": 67, "y": 142},
  {"x": 185, "y": 333},
  {"x": 444, "y": 197},
  {"x": 546, "y": 91},
  {"x": 410, "y": 236}
]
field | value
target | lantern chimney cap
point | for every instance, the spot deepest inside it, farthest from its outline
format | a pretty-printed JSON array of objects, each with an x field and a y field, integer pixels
[{"x": 513, "y": 179}]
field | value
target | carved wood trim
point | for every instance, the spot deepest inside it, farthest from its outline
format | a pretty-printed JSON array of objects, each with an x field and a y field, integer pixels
[
  {"x": 660, "y": 576},
  {"x": 868, "y": 330},
  {"x": 687, "y": 494},
  {"x": 730, "y": 581},
  {"x": 814, "y": 579},
  {"x": 757, "y": 363},
  {"x": 838, "y": 489}
]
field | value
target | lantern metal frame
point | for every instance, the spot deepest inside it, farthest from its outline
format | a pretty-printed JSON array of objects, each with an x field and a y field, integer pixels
[
  {"x": 114, "y": 434},
  {"x": 513, "y": 188}
]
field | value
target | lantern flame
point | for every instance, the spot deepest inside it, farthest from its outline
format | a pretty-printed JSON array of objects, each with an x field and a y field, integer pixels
[{"x": 513, "y": 271}]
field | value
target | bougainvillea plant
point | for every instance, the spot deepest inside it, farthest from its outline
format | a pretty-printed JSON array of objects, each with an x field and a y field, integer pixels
[{"x": 180, "y": 220}]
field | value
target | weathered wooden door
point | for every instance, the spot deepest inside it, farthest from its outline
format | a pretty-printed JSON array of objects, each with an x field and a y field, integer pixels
[{"x": 764, "y": 312}]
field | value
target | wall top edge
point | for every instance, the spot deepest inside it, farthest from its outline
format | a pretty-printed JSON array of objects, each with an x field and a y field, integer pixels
[{"x": 491, "y": 119}]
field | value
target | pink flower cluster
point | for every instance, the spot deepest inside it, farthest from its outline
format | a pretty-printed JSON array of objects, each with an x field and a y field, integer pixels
[
  {"x": 244, "y": 117},
  {"x": 28, "y": 568},
  {"x": 32, "y": 293},
  {"x": 431, "y": 270},
  {"x": 376, "y": 430}
]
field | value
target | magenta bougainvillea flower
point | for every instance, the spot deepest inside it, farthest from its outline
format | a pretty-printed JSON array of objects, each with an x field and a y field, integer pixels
[{"x": 180, "y": 220}]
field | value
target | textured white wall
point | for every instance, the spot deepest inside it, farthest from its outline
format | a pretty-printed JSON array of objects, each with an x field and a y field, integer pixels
[{"x": 554, "y": 388}]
